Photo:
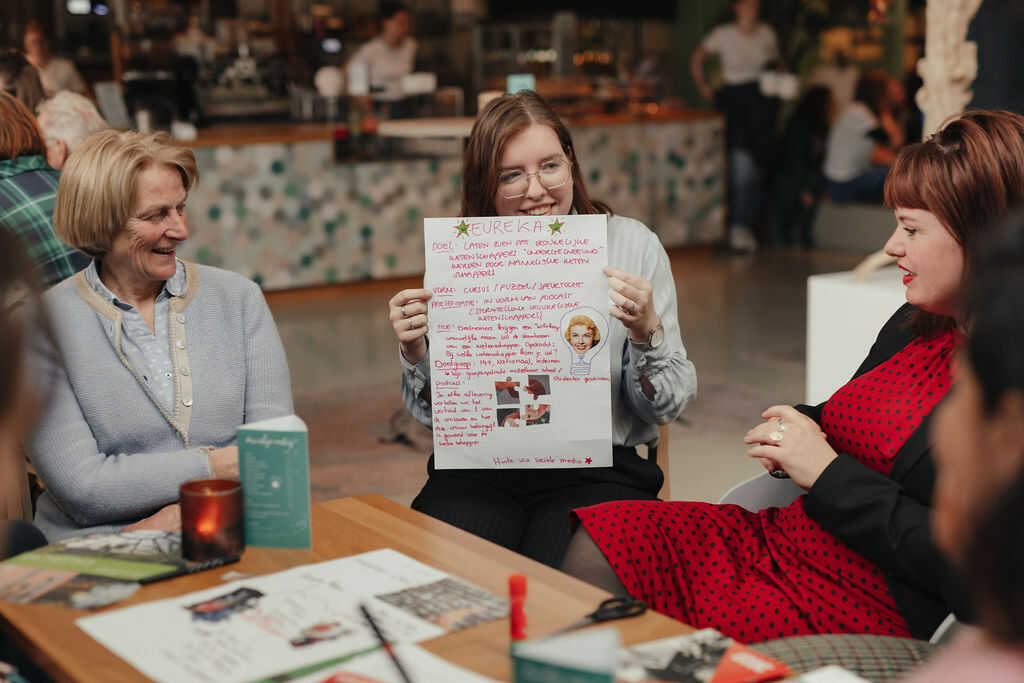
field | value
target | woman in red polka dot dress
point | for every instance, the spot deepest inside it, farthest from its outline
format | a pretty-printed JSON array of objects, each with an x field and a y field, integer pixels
[{"x": 855, "y": 553}]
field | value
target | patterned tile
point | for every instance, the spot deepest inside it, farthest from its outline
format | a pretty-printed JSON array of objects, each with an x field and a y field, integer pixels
[{"x": 286, "y": 215}]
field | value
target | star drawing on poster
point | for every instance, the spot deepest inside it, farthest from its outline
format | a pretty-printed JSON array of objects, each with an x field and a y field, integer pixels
[
  {"x": 556, "y": 227},
  {"x": 462, "y": 229}
]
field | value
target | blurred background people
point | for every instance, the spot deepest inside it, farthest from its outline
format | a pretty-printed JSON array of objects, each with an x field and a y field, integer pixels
[
  {"x": 388, "y": 57},
  {"x": 135, "y": 411},
  {"x": 863, "y": 142},
  {"x": 66, "y": 120},
  {"x": 840, "y": 75},
  {"x": 20, "y": 79},
  {"x": 56, "y": 73},
  {"x": 799, "y": 180},
  {"x": 746, "y": 47},
  {"x": 978, "y": 434},
  {"x": 28, "y": 192}
]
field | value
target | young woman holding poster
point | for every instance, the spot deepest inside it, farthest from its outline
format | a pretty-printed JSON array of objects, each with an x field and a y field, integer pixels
[
  {"x": 855, "y": 554},
  {"x": 520, "y": 161}
]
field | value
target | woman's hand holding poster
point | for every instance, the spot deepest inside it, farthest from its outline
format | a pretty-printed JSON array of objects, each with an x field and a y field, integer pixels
[{"x": 518, "y": 329}]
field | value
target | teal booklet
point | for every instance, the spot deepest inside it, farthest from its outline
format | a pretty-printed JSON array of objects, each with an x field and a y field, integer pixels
[
  {"x": 581, "y": 657},
  {"x": 273, "y": 465}
]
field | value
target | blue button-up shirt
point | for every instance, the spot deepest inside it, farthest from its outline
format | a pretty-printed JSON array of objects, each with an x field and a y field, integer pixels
[{"x": 148, "y": 352}]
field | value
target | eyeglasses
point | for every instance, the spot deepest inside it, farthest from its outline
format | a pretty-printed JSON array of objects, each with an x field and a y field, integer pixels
[{"x": 553, "y": 174}]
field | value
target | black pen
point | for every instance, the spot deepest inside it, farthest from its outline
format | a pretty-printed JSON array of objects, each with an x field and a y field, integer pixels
[{"x": 387, "y": 646}]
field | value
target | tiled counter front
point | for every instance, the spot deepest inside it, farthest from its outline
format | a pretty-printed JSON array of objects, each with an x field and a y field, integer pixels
[{"x": 287, "y": 215}]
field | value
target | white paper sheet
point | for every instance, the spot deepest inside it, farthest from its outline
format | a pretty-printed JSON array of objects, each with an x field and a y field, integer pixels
[
  {"x": 509, "y": 388},
  {"x": 255, "y": 628},
  {"x": 378, "y": 667}
]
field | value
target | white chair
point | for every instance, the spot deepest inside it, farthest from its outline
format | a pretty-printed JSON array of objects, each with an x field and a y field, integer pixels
[
  {"x": 764, "y": 490},
  {"x": 760, "y": 492}
]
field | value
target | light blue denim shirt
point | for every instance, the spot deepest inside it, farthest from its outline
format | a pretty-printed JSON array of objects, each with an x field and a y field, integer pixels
[{"x": 148, "y": 352}]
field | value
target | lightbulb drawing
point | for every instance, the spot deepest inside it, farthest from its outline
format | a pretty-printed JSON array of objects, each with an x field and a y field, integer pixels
[{"x": 585, "y": 332}]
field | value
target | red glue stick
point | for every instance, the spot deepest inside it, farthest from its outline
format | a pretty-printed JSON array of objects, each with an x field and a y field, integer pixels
[{"x": 517, "y": 607}]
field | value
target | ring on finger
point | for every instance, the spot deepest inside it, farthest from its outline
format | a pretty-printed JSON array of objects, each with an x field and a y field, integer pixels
[
  {"x": 411, "y": 324},
  {"x": 402, "y": 311}
]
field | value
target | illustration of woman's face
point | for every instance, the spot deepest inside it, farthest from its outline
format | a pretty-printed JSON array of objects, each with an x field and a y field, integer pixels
[{"x": 581, "y": 337}]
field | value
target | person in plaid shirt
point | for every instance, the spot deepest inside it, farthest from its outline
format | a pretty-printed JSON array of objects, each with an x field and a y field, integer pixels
[{"x": 28, "y": 190}]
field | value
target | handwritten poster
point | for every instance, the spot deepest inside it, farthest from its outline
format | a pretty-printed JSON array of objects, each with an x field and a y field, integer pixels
[{"x": 519, "y": 360}]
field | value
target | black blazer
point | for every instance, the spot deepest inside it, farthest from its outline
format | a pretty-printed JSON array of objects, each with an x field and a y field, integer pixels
[{"x": 886, "y": 518}]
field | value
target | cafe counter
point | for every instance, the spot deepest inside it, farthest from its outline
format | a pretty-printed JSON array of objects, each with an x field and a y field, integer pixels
[{"x": 278, "y": 204}]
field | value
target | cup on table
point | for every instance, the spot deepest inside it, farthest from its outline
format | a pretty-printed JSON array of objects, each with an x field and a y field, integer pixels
[{"x": 212, "y": 525}]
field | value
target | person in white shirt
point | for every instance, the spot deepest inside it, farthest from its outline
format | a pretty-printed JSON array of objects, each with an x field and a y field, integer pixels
[
  {"x": 389, "y": 56},
  {"x": 745, "y": 46},
  {"x": 862, "y": 143},
  {"x": 56, "y": 73}
]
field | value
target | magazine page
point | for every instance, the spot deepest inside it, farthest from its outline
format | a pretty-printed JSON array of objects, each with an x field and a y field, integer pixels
[{"x": 256, "y": 628}]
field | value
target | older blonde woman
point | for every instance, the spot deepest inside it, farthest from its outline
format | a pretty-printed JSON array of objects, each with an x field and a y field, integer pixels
[{"x": 159, "y": 360}]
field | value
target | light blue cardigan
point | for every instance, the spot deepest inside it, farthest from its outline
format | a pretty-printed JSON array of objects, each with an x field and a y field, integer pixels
[{"x": 108, "y": 452}]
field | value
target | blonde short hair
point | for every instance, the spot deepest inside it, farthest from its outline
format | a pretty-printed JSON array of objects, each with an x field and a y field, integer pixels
[
  {"x": 587, "y": 322},
  {"x": 99, "y": 182}
]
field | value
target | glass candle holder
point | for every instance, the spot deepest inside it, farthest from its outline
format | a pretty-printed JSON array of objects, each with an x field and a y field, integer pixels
[{"x": 212, "y": 525}]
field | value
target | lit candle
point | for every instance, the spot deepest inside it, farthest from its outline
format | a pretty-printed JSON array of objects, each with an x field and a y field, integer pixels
[{"x": 212, "y": 526}]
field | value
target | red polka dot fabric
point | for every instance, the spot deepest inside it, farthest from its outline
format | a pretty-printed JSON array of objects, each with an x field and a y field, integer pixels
[
  {"x": 776, "y": 573},
  {"x": 871, "y": 417}
]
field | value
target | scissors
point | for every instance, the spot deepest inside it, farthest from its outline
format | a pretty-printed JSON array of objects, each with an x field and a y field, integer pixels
[{"x": 619, "y": 607}]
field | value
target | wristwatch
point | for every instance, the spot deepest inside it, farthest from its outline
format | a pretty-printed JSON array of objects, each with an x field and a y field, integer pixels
[{"x": 654, "y": 339}]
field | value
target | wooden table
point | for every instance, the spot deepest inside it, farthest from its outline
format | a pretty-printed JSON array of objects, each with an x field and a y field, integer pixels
[{"x": 344, "y": 527}]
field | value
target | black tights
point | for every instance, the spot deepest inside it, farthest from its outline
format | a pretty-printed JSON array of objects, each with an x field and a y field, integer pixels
[
  {"x": 586, "y": 562},
  {"x": 528, "y": 511}
]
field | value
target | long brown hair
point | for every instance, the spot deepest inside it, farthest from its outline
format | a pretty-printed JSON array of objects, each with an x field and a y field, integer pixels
[
  {"x": 969, "y": 174},
  {"x": 19, "y": 134},
  {"x": 501, "y": 120}
]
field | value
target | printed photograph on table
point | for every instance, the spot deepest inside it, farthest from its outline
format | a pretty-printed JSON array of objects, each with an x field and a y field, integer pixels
[
  {"x": 518, "y": 334},
  {"x": 704, "y": 656},
  {"x": 93, "y": 570},
  {"x": 225, "y": 606},
  {"x": 320, "y": 632},
  {"x": 61, "y": 587},
  {"x": 450, "y": 603},
  {"x": 151, "y": 545}
]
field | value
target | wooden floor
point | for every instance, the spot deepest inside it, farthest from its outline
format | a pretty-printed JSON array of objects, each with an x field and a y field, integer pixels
[{"x": 743, "y": 324}]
